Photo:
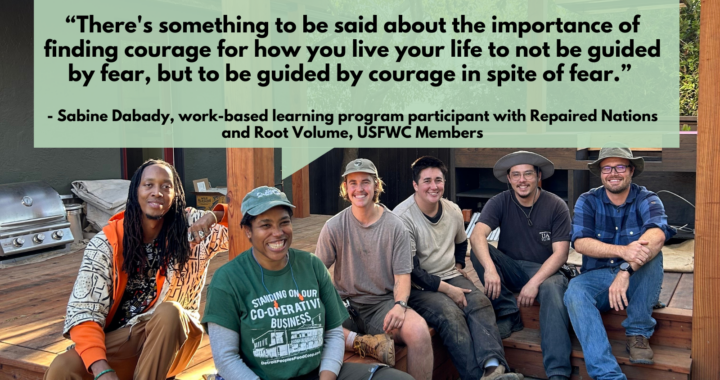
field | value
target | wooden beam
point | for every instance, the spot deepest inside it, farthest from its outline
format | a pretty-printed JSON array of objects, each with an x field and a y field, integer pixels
[
  {"x": 247, "y": 168},
  {"x": 301, "y": 192},
  {"x": 706, "y": 300}
]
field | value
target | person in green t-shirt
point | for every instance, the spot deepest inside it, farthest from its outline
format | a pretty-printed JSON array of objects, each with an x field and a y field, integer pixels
[{"x": 272, "y": 312}]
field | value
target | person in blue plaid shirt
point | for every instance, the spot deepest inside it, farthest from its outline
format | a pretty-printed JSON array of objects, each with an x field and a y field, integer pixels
[{"x": 619, "y": 229}]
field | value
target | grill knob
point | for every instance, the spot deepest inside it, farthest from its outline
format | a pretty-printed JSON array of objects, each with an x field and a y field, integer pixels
[
  {"x": 57, "y": 235},
  {"x": 39, "y": 238},
  {"x": 18, "y": 242}
]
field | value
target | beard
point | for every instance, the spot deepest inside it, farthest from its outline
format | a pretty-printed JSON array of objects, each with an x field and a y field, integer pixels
[
  {"x": 528, "y": 195},
  {"x": 154, "y": 217},
  {"x": 619, "y": 188}
]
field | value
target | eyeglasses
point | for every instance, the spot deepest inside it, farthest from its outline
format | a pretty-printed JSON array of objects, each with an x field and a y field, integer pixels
[
  {"x": 618, "y": 169},
  {"x": 515, "y": 176}
]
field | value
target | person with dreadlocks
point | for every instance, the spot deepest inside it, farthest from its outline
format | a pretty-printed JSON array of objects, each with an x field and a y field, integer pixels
[
  {"x": 534, "y": 243},
  {"x": 133, "y": 311}
]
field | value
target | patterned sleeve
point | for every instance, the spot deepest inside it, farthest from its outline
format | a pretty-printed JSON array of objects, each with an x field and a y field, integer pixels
[
  {"x": 217, "y": 241},
  {"x": 583, "y": 219},
  {"x": 90, "y": 297},
  {"x": 653, "y": 215}
]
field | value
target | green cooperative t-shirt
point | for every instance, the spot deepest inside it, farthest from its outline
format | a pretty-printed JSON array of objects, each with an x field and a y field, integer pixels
[{"x": 282, "y": 342}]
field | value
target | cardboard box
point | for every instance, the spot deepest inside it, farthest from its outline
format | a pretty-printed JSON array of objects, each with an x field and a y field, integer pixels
[
  {"x": 208, "y": 200},
  {"x": 207, "y": 197},
  {"x": 201, "y": 185}
]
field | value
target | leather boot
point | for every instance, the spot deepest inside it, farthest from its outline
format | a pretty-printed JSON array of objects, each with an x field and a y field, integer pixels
[
  {"x": 380, "y": 347},
  {"x": 639, "y": 348}
]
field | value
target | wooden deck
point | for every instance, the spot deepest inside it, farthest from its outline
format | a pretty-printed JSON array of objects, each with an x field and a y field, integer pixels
[{"x": 33, "y": 300}]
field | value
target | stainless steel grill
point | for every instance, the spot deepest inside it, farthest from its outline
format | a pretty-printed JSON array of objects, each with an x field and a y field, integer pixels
[{"x": 32, "y": 217}]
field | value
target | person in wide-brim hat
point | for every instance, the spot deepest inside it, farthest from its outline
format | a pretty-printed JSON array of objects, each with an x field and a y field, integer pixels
[
  {"x": 620, "y": 152},
  {"x": 522, "y": 157}
]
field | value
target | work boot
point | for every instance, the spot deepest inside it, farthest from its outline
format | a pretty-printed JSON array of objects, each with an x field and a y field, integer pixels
[
  {"x": 639, "y": 348},
  {"x": 380, "y": 347},
  {"x": 498, "y": 373}
]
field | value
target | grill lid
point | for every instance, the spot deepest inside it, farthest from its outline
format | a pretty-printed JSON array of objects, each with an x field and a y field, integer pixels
[{"x": 26, "y": 203}]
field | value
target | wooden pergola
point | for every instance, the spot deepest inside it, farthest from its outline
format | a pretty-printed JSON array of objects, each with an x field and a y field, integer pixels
[{"x": 248, "y": 168}]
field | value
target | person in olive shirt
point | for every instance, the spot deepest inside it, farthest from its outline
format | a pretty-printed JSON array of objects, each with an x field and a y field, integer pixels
[{"x": 272, "y": 312}]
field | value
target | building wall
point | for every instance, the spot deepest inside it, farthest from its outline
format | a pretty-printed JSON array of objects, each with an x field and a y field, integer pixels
[
  {"x": 19, "y": 161},
  {"x": 204, "y": 163}
]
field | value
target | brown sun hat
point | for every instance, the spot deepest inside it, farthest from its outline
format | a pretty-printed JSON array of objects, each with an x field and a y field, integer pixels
[
  {"x": 522, "y": 157},
  {"x": 620, "y": 152}
]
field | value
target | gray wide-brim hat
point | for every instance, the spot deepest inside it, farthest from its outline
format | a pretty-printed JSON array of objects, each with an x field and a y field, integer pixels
[
  {"x": 619, "y": 152},
  {"x": 262, "y": 199},
  {"x": 522, "y": 157}
]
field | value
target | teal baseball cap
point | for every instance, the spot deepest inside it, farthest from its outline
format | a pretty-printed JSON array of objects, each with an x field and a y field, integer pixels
[{"x": 262, "y": 199}]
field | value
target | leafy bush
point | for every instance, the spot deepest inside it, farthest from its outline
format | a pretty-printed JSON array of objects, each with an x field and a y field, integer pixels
[{"x": 689, "y": 57}]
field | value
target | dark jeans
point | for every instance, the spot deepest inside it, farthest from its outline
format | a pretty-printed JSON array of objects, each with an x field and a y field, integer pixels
[
  {"x": 469, "y": 334},
  {"x": 554, "y": 321},
  {"x": 361, "y": 371}
]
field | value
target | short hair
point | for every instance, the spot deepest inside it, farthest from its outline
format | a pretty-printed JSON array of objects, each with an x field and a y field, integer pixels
[
  {"x": 247, "y": 219},
  {"x": 425, "y": 162},
  {"x": 379, "y": 188}
]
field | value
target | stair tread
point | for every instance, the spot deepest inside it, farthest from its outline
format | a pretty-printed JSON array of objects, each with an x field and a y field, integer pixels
[{"x": 666, "y": 358}]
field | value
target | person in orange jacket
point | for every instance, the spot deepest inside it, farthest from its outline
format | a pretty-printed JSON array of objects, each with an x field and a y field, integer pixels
[{"x": 133, "y": 311}]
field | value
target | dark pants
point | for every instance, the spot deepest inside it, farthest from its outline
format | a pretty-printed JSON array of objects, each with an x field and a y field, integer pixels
[
  {"x": 361, "y": 371},
  {"x": 469, "y": 334},
  {"x": 554, "y": 320}
]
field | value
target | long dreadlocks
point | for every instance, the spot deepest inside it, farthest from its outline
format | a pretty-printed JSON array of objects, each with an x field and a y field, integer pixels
[{"x": 174, "y": 245}]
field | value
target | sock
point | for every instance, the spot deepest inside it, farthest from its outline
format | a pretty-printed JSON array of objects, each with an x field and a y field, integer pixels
[
  {"x": 350, "y": 340},
  {"x": 492, "y": 362}
]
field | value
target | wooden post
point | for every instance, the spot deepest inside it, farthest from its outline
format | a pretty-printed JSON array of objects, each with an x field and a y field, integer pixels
[
  {"x": 706, "y": 309},
  {"x": 297, "y": 102},
  {"x": 247, "y": 168},
  {"x": 301, "y": 192}
]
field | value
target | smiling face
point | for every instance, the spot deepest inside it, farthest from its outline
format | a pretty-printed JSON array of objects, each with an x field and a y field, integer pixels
[
  {"x": 431, "y": 186},
  {"x": 615, "y": 182},
  {"x": 156, "y": 192},
  {"x": 361, "y": 189},
  {"x": 271, "y": 235},
  {"x": 524, "y": 180}
]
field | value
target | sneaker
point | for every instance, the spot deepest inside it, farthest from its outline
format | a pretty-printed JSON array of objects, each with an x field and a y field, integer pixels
[
  {"x": 380, "y": 347},
  {"x": 509, "y": 324},
  {"x": 639, "y": 349},
  {"x": 498, "y": 373}
]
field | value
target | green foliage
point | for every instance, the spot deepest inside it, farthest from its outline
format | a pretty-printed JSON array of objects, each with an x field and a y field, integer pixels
[{"x": 689, "y": 57}]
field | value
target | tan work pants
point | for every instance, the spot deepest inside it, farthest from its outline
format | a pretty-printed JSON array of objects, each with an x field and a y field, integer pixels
[{"x": 157, "y": 349}]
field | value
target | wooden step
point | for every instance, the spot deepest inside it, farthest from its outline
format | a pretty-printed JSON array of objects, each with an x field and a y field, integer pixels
[
  {"x": 523, "y": 352},
  {"x": 673, "y": 329}
]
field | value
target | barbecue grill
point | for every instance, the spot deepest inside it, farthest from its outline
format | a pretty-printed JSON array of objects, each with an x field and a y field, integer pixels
[{"x": 32, "y": 217}]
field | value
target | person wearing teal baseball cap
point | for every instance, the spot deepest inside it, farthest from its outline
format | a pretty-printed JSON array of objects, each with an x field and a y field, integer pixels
[{"x": 272, "y": 312}]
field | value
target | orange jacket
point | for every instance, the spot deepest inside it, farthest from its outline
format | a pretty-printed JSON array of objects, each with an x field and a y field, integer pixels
[{"x": 89, "y": 337}]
